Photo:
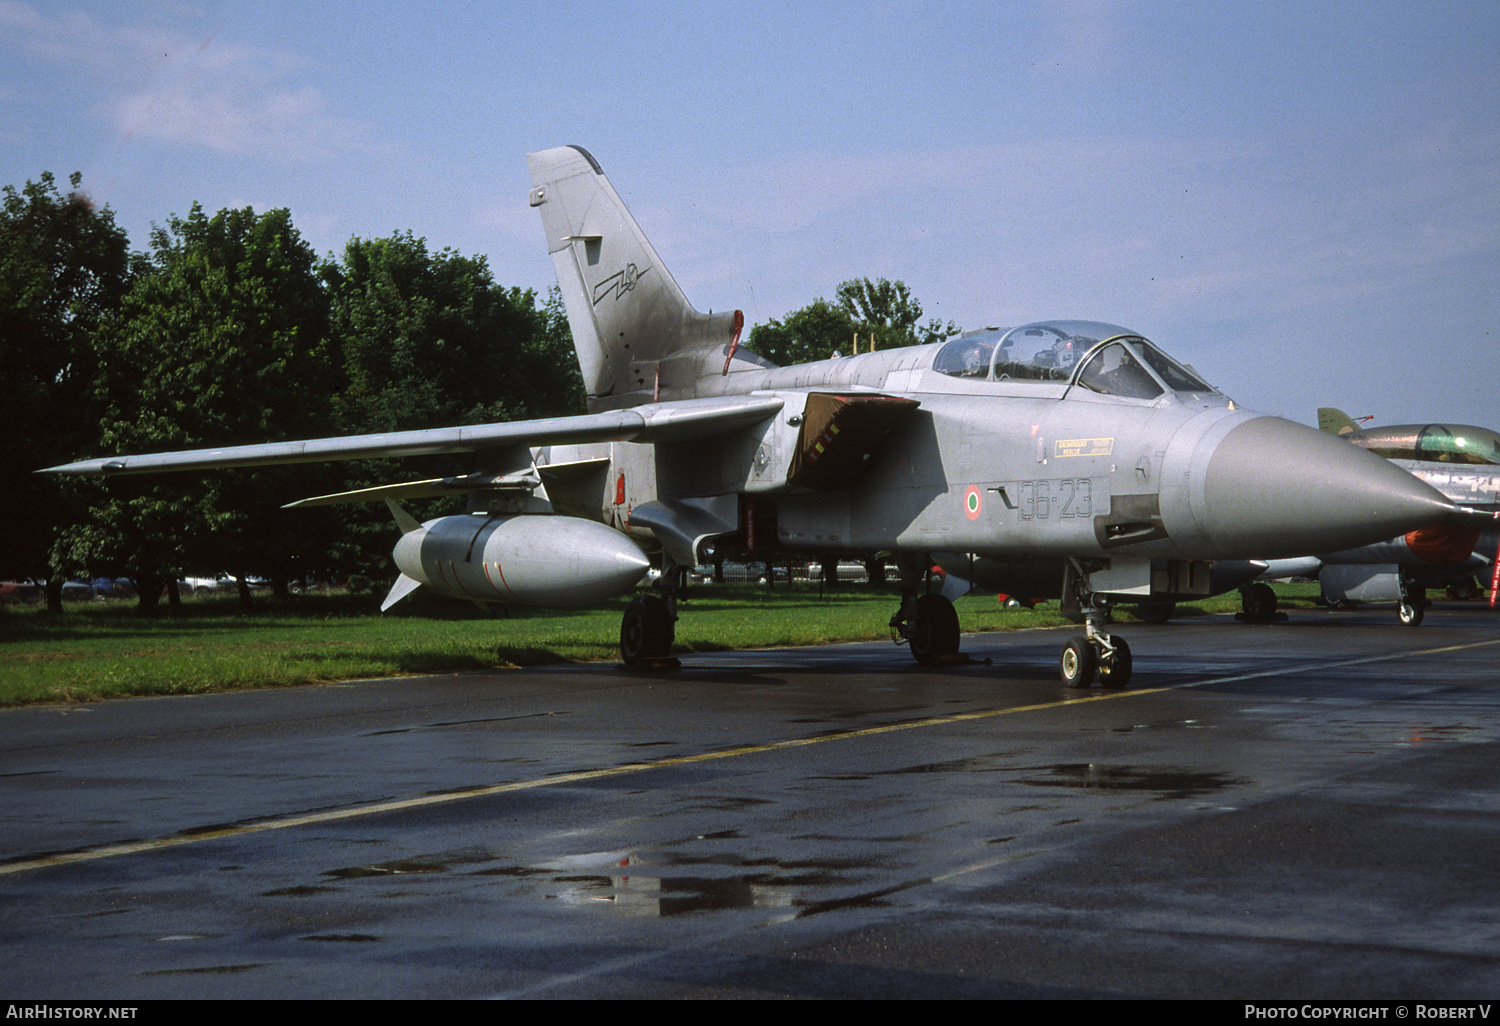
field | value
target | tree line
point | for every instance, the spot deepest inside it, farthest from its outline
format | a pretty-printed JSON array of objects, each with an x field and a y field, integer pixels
[
  {"x": 864, "y": 315},
  {"x": 229, "y": 330}
]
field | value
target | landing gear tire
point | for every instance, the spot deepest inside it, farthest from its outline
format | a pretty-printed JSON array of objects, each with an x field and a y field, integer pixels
[
  {"x": 1259, "y": 603},
  {"x": 1078, "y": 663},
  {"x": 1115, "y": 666},
  {"x": 936, "y": 633},
  {"x": 1411, "y": 611},
  {"x": 646, "y": 631}
]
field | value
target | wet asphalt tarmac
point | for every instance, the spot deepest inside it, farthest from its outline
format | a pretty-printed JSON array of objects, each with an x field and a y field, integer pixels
[{"x": 1304, "y": 810}]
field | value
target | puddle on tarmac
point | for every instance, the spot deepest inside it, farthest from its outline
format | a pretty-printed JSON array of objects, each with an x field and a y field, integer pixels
[
  {"x": 1164, "y": 782},
  {"x": 401, "y": 866},
  {"x": 664, "y": 896},
  {"x": 628, "y": 885},
  {"x": 300, "y": 891},
  {"x": 107, "y": 912},
  {"x": 975, "y": 764},
  {"x": 1381, "y": 731},
  {"x": 624, "y": 881},
  {"x": 1164, "y": 725},
  {"x": 1434, "y": 733},
  {"x": 208, "y": 969}
]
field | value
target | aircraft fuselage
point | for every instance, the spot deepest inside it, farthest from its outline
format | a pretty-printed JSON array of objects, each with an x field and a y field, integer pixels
[{"x": 1014, "y": 469}]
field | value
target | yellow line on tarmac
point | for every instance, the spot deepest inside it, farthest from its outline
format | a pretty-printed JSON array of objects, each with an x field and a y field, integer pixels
[
  {"x": 580, "y": 776},
  {"x": 551, "y": 780}
]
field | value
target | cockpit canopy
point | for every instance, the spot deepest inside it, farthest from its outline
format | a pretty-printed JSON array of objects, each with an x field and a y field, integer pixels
[
  {"x": 1103, "y": 358},
  {"x": 1439, "y": 443}
]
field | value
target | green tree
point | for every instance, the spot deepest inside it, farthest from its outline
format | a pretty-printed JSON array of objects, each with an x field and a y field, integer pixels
[
  {"x": 430, "y": 340},
  {"x": 224, "y": 341},
  {"x": 815, "y": 332},
  {"x": 64, "y": 266},
  {"x": 889, "y": 311},
  {"x": 884, "y": 307},
  {"x": 883, "y": 311}
]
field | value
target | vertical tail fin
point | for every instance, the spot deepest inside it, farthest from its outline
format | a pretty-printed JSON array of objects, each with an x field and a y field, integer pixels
[
  {"x": 1336, "y": 421},
  {"x": 626, "y": 312}
]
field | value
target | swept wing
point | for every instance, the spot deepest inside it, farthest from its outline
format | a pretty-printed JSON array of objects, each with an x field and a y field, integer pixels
[{"x": 661, "y": 422}]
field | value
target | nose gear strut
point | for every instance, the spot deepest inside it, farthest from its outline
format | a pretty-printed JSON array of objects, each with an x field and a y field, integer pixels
[{"x": 1096, "y": 652}]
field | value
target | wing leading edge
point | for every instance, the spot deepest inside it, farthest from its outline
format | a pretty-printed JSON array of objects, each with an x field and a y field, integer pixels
[{"x": 693, "y": 418}]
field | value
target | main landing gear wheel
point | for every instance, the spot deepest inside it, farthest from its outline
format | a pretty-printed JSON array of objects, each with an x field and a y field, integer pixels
[
  {"x": 646, "y": 632},
  {"x": 1078, "y": 663},
  {"x": 936, "y": 634},
  {"x": 1258, "y": 602}
]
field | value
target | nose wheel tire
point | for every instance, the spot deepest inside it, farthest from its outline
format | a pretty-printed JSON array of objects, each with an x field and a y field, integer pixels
[
  {"x": 1082, "y": 662},
  {"x": 1078, "y": 663},
  {"x": 1410, "y": 612}
]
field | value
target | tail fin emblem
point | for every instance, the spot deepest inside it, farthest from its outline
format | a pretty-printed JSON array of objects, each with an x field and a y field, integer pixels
[{"x": 618, "y": 283}]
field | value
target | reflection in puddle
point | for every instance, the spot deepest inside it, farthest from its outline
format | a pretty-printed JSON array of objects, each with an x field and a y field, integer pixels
[
  {"x": 660, "y": 897},
  {"x": 400, "y": 866},
  {"x": 1430, "y": 733},
  {"x": 623, "y": 881},
  {"x": 210, "y": 969},
  {"x": 299, "y": 891},
  {"x": 441, "y": 862},
  {"x": 1165, "y": 725},
  {"x": 1166, "y": 782},
  {"x": 766, "y": 883}
]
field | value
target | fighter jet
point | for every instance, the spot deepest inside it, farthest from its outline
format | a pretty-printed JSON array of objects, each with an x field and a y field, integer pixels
[
  {"x": 1462, "y": 462},
  {"x": 1062, "y": 440}
]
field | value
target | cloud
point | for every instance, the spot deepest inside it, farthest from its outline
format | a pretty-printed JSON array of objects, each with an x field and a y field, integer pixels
[
  {"x": 188, "y": 86},
  {"x": 1148, "y": 227},
  {"x": 237, "y": 115}
]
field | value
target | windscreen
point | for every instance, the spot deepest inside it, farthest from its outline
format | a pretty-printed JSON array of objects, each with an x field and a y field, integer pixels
[{"x": 1114, "y": 370}]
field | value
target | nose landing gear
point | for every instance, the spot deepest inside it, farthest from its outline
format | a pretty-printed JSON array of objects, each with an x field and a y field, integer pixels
[{"x": 1097, "y": 653}]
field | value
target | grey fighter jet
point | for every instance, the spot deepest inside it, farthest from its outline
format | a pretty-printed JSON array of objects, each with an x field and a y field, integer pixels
[{"x": 1060, "y": 440}]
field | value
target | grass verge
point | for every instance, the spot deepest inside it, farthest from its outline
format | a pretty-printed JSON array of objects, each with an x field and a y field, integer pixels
[{"x": 107, "y": 650}]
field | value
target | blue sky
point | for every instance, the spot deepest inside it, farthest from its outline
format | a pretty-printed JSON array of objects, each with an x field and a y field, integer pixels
[{"x": 1300, "y": 199}]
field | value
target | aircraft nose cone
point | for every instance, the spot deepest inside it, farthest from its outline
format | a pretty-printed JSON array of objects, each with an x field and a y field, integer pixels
[{"x": 1277, "y": 489}]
